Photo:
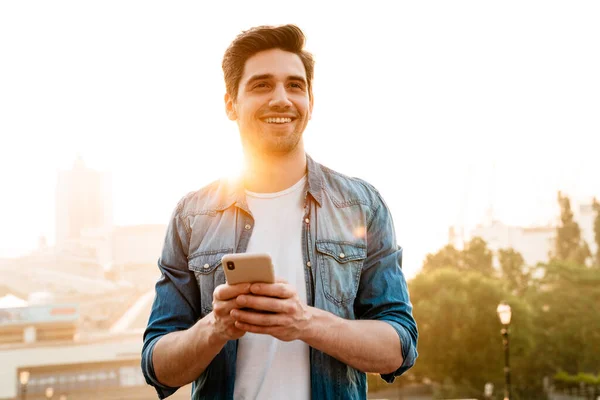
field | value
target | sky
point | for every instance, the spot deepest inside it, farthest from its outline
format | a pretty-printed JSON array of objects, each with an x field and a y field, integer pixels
[{"x": 448, "y": 108}]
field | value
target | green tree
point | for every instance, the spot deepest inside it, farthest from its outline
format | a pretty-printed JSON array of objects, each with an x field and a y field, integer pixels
[
  {"x": 514, "y": 271},
  {"x": 477, "y": 257},
  {"x": 474, "y": 257},
  {"x": 596, "y": 206},
  {"x": 569, "y": 246},
  {"x": 566, "y": 310},
  {"x": 459, "y": 333},
  {"x": 447, "y": 257}
]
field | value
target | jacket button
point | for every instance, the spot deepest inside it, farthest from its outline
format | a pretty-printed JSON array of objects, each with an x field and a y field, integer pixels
[
  {"x": 247, "y": 227},
  {"x": 307, "y": 220},
  {"x": 308, "y": 264},
  {"x": 342, "y": 255},
  {"x": 206, "y": 266}
]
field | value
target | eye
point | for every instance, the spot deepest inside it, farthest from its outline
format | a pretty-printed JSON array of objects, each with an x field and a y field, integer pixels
[
  {"x": 296, "y": 85},
  {"x": 260, "y": 85}
]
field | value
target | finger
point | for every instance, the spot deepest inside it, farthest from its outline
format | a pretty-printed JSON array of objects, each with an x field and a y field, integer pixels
[
  {"x": 227, "y": 291},
  {"x": 280, "y": 280},
  {"x": 259, "y": 319},
  {"x": 263, "y": 303},
  {"x": 265, "y": 330},
  {"x": 222, "y": 308},
  {"x": 281, "y": 290}
]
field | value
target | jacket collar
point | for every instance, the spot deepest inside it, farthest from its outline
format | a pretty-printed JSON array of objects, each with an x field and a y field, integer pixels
[{"x": 235, "y": 193}]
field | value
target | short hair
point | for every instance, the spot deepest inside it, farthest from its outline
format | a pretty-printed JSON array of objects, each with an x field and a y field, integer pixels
[{"x": 248, "y": 43}]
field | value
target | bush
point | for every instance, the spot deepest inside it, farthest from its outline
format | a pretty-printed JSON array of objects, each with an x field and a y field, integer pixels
[{"x": 565, "y": 381}]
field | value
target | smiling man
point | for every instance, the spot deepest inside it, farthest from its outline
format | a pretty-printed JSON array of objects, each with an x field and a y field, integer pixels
[{"x": 340, "y": 307}]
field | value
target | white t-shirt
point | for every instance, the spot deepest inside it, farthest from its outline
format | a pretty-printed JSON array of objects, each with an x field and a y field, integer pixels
[{"x": 268, "y": 368}]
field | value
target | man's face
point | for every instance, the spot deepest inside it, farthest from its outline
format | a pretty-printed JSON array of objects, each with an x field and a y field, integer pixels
[{"x": 273, "y": 105}]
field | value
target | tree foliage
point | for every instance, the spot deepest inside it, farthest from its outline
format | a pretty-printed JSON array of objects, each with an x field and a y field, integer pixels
[
  {"x": 569, "y": 246},
  {"x": 447, "y": 257},
  {"x": 567, "y": 315},
  {"x": 596, "y": 207},
  {"x": 474, "y": 257},
  {"x": 459, "y": 339},
  {"x": 514, "y": 272},
  {"x": 477, "y": 257},
  {"x": 556, "y": 314}
]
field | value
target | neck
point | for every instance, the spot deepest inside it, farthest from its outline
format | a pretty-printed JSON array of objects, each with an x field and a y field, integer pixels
[{"x": 274, "y": 173}]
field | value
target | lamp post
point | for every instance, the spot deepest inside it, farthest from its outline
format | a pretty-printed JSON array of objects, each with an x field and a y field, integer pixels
[
  {"x": 23, "y": 380},
  {"x": 504, "y": 313},
  {"x": 49, "y": 393}
]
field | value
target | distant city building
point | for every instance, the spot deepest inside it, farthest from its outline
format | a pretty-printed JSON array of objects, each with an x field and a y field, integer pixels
[
  {"x": 84, "y": 213},
  {"x": 91, "y": 254},
  {"x": 138, "y": 244},
  {"x": 38, "y": 323},
  {"x": 534, "y": 243},
  {"x": 136, "y": 250},
  {"x": 44, "y": 347},
  {"x": 72, "y": 315}
]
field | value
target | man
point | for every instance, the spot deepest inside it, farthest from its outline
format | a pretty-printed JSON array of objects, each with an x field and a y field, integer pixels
[{"x": 340, "y": 307}]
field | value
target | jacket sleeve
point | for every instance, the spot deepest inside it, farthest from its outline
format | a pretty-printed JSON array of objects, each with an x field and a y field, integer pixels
[
  {"x": 383, "y": 292},
  {"x": 176, "y": 303}
]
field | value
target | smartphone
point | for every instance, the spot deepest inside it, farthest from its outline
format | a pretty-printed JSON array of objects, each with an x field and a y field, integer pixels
[{"x": 248, "y": 267}]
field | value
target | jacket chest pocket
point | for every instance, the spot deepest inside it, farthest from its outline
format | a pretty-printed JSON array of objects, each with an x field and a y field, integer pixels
[
  {"x": 340, "y": 264},
  {"x": 209, "y": 274}
]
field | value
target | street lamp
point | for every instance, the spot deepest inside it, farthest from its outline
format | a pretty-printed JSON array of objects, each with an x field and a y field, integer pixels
[
  {"x": 24, "y": 379},
  {"x": 504, "y": 313},
  {"x": 49, "y": 392}
]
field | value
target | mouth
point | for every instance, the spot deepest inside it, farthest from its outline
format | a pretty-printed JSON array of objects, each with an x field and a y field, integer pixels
[{"x": 278, "y": 120}]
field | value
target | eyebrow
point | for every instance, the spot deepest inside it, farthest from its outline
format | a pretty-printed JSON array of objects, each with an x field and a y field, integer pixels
[{"x": 271, "y": 76}]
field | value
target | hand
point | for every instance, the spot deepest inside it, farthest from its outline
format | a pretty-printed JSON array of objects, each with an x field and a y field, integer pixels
[
  {"x": 224, "y": 300},
  {"x": 288, "y": 320}
]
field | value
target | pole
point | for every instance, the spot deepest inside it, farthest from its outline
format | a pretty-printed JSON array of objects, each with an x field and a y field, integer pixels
[
  {"x": 506, "y": 363},
  {"x": 23, "y": 392}
]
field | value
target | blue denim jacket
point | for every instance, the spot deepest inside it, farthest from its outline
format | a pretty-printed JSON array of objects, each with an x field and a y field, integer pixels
[{"x": 352, "y": 266}]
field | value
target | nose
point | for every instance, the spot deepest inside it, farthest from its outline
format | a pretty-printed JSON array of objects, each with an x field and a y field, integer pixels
[{"x": 280, "y": 98}]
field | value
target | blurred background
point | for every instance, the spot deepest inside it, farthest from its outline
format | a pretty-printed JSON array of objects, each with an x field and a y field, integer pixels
[{"x": 478, "y": 122}]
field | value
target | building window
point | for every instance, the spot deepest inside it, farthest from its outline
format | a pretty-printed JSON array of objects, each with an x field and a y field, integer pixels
[{"x": 129, "y": 376}]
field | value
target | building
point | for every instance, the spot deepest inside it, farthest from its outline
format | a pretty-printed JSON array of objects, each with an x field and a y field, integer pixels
[
  {"x": 534, "y": 243},
  {"x": 84, "y": 213},
  {"x": 136, "y": 250},
  {"x": 88, "y": 301},
  {"x": 48, "y": 345}
]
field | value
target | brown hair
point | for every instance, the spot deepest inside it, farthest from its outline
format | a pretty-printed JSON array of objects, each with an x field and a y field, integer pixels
[{"x": 248, "y": 43}]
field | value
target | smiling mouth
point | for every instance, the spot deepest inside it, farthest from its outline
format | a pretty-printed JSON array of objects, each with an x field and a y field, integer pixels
[{"x": 278, "y": 120}]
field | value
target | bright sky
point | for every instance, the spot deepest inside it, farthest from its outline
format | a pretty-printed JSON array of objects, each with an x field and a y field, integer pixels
[{"x": 443, "y": 106}]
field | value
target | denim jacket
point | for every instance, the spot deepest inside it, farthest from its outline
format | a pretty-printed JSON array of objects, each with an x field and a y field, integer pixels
[{"x": 352, "y": 267}]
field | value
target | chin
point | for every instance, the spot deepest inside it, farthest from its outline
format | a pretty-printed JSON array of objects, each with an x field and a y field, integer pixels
[
  {"x": 280, "y": 144},
  {"x": 265, "y": 143},
  {"x": 278, "y": 148}
]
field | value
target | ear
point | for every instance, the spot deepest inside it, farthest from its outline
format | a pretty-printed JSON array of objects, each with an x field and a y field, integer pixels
[
  {"x": 310, "y": 107},
  {"x": 230, "y": 107}
]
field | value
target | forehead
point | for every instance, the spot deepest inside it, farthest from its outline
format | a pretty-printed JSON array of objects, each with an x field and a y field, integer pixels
[{"x": 276, "y": 62}]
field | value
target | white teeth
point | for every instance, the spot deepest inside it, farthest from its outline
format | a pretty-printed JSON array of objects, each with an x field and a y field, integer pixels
[{"x": 277, "y": 120}]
